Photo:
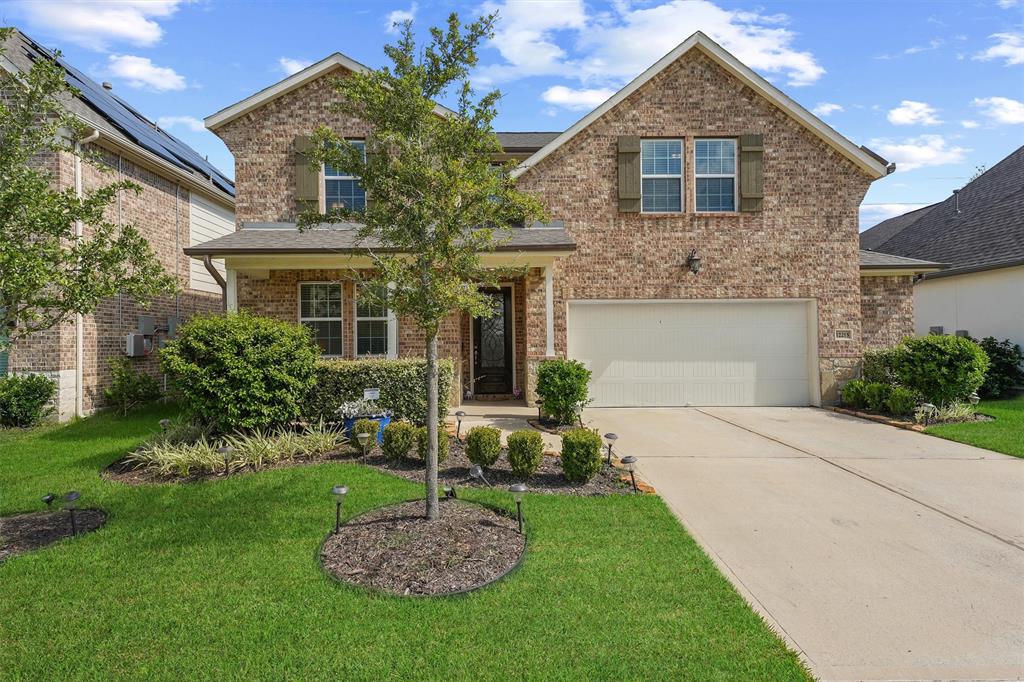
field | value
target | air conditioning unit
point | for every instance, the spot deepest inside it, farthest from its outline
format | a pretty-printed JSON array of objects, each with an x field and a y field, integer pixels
[{"x": 136, "y": 345}]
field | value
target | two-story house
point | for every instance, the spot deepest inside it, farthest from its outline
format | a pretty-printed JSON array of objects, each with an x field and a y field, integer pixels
[{"x": 703, "y": 247}]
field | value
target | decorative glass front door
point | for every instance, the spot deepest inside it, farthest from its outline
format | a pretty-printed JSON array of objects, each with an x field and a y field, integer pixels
[{"x": 492, "y": 346}]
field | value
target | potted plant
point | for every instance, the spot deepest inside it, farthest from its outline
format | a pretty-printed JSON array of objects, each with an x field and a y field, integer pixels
[{"x": 354, "y": 410}]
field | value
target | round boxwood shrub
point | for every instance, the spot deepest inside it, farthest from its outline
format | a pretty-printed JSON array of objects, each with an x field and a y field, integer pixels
[
  {"x": 398, "y": 440},
  {"x": 25, "y": 399},
  {"x": 483, "y": 445},
  {"x": 370, "y": 426},
  {"x": 525, "y": 448},
  {"x": 1006, "y": 367},
  {"x": 241, "y": 371},
  {"x": 876, "y": 395},
  {"x": 581, "y": 454},
  {"x": 941, "y": 369},
  {"x": 901, "y": 401},
  {"x": 443, "y": 444},
  {"x": 562, "y": 385},
  {"x": 853, "y": 394}
]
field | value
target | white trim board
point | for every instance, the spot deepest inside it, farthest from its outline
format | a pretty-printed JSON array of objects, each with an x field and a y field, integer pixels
[{"x": 748, "y": 77}]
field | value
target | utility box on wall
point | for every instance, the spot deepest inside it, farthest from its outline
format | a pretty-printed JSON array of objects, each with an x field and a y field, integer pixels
[{"x": 135, "y": 345}]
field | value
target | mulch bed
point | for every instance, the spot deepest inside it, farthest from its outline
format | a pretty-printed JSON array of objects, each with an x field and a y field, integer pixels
[
  {"x": 395, "y": 549},
  {"x": 123, "y": 471},
  {"x": 901, "y": 423},
  {"x": 547, "y": 479},
  {"x": 26, "y": 532},
  {"x": 550, "y": 426}
]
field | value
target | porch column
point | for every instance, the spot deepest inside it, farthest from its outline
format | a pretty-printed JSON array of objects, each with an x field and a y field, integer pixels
[
  {"x": 549, "y": 311},
  {"x": 231, "y": 291}
]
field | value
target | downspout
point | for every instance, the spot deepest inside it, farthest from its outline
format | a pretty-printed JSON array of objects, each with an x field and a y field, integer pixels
[
  {"x": 79, "y": 324},
  {"x": 219, "y": 278}
]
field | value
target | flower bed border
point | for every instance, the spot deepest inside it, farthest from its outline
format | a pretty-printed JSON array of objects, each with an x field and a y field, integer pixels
[{"x": 880, "y": 418}]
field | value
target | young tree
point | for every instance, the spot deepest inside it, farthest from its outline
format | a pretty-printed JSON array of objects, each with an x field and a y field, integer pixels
[
  {"x": 49, "y": 273},
  {"x": 435, "y": 202}
]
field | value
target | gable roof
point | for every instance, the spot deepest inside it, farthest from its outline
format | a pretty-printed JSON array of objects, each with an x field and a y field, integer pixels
[
  {"x": 865, "y": 159},
  {"x": 872, "y": 260},
  {"x": 987, "y": 232}
]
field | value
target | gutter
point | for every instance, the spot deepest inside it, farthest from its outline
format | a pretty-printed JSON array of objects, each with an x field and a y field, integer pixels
[
  {"x": 215, "y": 273},
  {"x": 968, "y": 269},
  {"x": 79, "y": 324}
]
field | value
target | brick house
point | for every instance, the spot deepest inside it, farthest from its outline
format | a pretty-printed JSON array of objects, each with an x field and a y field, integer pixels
[
  {"x": 184, "y": 200},
  {"x": 703, "y": 247}
]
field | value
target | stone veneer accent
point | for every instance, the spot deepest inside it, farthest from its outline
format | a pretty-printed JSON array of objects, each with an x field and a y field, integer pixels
[{"x": 887, "y": 310}]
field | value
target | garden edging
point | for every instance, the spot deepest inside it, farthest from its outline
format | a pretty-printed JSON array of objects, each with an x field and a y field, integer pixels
[{"x": 881, "y": 419}]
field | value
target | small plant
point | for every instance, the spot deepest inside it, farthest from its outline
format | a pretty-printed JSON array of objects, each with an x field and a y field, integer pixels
[
  {"x": 562, "y": 385},
  {"x": 901, "y": 402},
  {"x": 483, "y": 445},
  {"x": 370, "y": 426},
  {"x": 941, "y": 369},
  {"x": 1006, "y": 367},
  {"x": 525, "y": 448},
  {"x": 853, "y": 394},
  {"x": 946, "y": 414},
  {"x": 581, "y": 454},
  {"x": 876, "y": 395},
  {"x": 443, "y": 444},
  {"x": 354, "y": 409},
  {"x": 399, "y": 438},
  {"x": 25, "y": 399},
  {"x": 129, "y": 388}
]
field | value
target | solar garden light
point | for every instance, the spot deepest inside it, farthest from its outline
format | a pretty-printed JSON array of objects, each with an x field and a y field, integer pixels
[
  {"x": 629, "y": 462},
  {"x": 540, "y": 410},
  {"x": 165, "y": 424},
  {"x": 70, "y": 501},
  {"x": 449, "y": 492},
  {"x": 339, "y": 492},
  {"x": 48, "y": 499},
  {"x": 611, "y": 438},
  {"x": 929, "y": 411},
  {"x": 458, "y": 423},
  {"x": 974, "y": 398},
  {"x": 518, "y": 490},
  {"x": 364, "y": 441},
  {"x": 225, "y": 452},
  {"x": 476, "y": 472},
  {"x": 578, "y": 409}
]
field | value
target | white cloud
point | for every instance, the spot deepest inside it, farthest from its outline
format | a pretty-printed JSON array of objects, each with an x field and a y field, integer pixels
[
  {"x": 397, "y": 17},
  {"x": 872, "y": 214},
  {"x": 1007, "y": 4},
  {"x": 969, "y": 124},
  {"x": 1001, "y": 109},
  {"x": 290, "y": 66},
  {"x": 826, "y": 109},
  {"x": 525, "y": 37},
  {"x": 918, "y": 152},
  {"x": 140, "y": 72},
  {"x": 933, "y": 44},
  {"x": 190, "y": 122},
  {"x": 99, "y": 23},
  {"x": 1009, "y": 47},
  {"x": 583, "y": 99},
  {"x": 910, "y": 112}
]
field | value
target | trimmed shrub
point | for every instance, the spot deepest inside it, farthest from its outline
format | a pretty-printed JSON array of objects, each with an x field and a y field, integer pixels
[
  {"x": 443, "y": 444},
  {"x": 562, "y": 385},
  {"x": 879, "y": 366},
  {"x": 876, "y": 396},
  {"x": 370, "y": 426},
  {"x": 241, "y": 371},
  {"x": 525, "y": 448},
  {"x": 129, "y": 388},
  {"x": 25, "y": 399},
  {"x": 483, "y": 445},
  {"x": 1005, "y": 369},
  {"x": 398, "y": 440},
  {"x": 901, "y": 402},
  {"x": 402, "y": 385},
  {"x": 941, "y": 369},
  {"x": 581, "y": 454},
  {"x": 853, "y": 394}
]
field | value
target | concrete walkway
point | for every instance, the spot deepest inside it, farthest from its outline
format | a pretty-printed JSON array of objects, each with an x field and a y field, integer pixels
[{"x": 877, "y": 553}]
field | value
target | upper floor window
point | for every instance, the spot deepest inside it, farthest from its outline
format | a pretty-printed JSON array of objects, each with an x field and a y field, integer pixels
[
  {"x": 715, "y": 175},
  {"x": 661, "y": 176},
  {"x": 342, "y": 189},
  {"x": 320, "y": 310},
  {"x": 373, "y": 327}
]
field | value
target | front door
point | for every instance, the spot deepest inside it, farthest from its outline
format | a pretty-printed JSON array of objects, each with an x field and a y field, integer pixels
[{"x": 492, "y": 346}]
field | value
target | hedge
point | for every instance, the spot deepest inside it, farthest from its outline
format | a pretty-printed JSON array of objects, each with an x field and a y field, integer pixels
[{"x": 402, "y": 385}]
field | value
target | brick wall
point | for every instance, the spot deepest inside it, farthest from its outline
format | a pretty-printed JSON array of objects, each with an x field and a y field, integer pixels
[{"x": 887, "y": 310}]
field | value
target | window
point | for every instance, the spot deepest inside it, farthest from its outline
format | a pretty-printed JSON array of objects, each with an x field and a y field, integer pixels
[
  {"x": 320, "y": 310},
  {"x": 373, "y": 328},
  {"x": 343, "y": 190},
  {"x": 715, "y": 170},
  {"x": 661, "y": 176}
]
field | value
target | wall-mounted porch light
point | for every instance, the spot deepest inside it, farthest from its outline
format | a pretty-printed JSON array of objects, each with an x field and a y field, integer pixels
[{"x": 693, "y": 262}]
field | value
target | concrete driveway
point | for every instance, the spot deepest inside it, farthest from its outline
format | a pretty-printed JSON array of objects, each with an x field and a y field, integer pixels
[{"x": 877, "y": 553}]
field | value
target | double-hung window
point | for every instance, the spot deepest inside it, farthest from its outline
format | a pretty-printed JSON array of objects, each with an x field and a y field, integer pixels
[
  {"x": 341, "y": 188},
  {"x": 715, "y": 175},
  {"x": 320, "y": 310},
  {"x": 661, "y": 176},
  {"x": 373, "y": 327}
]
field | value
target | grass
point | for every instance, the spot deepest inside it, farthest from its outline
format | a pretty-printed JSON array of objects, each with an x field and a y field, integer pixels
[
  {"x": 219, "y": 580},
  {"x": 1005, "y": 434}
]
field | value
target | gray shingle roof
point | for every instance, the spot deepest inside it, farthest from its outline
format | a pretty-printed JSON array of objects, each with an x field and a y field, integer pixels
[
  {"x": 883, "y": 261},
  {"x": 526, "y": 141},
  {"x": 987, "y": 232}
]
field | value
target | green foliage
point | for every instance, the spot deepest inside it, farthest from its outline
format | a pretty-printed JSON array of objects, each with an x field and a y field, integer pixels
[
  {"x": 241, "y": 371},
  {"x": 951, "y": 413},
  {"x": 941, "y": 369},
  {"x": 25, "y": 399},
  {"x": 878, "y": 367},
  {"x": 853, "y": 394},
  {"x": 443, "y": 444},
  {"x": 402, "y": 385},
  {"x": 483, "y": 445},
  {"x": 129, "y": 388},
  {"x": 562, "y": 385},
  {"x": 525, "y": 448},
  {"x": 1005, "y": 370},
  {"x": 581, "y": 454},
  {"x": 876, "y": 396},
  {"x": 370, "y": 426},
  {"x": 399, "y": 438},
  {"x": 901, "y": 402}
]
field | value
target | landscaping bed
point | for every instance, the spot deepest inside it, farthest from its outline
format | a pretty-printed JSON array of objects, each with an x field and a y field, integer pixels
[
  {"x": 396, "y": 550},
  {"x": 129, "y": 473},
  {"x": 26, "y": 532}
]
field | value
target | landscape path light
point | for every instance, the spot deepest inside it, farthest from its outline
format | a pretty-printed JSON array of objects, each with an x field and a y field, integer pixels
[
  {"x": 929, "y": 411},
  {"x": 629, "y": 462},
  {"x": 458, "y": 423},
  {"x": 339, "y": 492},
  {"x": 48, "y": 499},
  {"x": 70, "y": 502},
  {"x": 476, "y": 472},
  {"x": 225, "y": 452},
  {"x": 518, "y": 490},
  {"x": 578, "y": 410},
  {"x": 611, "y": 438},
  {"x": 165, "y": 424},
  {"x": 364, "y": 441},
  {"x": 449, "y": 492},
  {"x": 974, "y": 398}
]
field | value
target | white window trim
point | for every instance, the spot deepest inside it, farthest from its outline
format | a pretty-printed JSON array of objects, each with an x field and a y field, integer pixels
[
  {"x": 681, "y": 175},
  {"x": 324, "y": 177},
  {"x": 392, "y": 329},
  {"x": 340, "y": 318},
  {"x": 734, "y": 175}
]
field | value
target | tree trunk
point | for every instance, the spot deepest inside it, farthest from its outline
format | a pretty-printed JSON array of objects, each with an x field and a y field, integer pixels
[{"x": 433, "y": 508}]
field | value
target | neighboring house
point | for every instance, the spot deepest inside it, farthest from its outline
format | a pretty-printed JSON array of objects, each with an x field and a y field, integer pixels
[
  {"x": 979, "y": 232},
  {"x": 698, "y": 157},
  {"x": 184, "y": 200}
]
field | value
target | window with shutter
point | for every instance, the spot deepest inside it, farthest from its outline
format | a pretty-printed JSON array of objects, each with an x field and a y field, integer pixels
[
  {"x": 341, "y": 188},
  {"x": 751, "y": 172},
  {"x": 629, "y": 173},
  {"x": 307, "y": 177}
]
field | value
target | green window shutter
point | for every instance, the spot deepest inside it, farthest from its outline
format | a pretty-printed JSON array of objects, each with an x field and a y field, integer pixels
[
  {"x": 751, "y": 172},
  {"x": 629, "y": 173},
  {"x": 3, "y": 358},
  {"x": 307, "y": 177}
]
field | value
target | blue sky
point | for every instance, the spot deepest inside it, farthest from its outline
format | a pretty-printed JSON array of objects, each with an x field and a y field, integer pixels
[{"x": 937, "y": 87}]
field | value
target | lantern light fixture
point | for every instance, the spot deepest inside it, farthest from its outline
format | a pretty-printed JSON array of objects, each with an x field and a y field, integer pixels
[
  {"x": 611, "y": 438},
  {"x": 693, "y": 261},
  {"x": 629, "y": 462},
  {"x": 364, "y": 441},
  {"x": 458, "y": 423},
  {"x": 518, "y": 491}
]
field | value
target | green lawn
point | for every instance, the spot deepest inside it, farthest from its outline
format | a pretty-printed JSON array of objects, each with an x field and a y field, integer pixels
[
  {"x": 219, "y": 580},
  {"x": 1005, "y": 434}
]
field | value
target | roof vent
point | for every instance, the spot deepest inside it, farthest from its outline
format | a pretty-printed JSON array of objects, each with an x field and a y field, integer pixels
[
  {"x": 107, "y": 86},
  {"x": 956, "y": 201}
]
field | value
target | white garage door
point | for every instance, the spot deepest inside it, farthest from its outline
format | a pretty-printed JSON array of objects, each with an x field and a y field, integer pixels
[{"x": 695, "y": 353}]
